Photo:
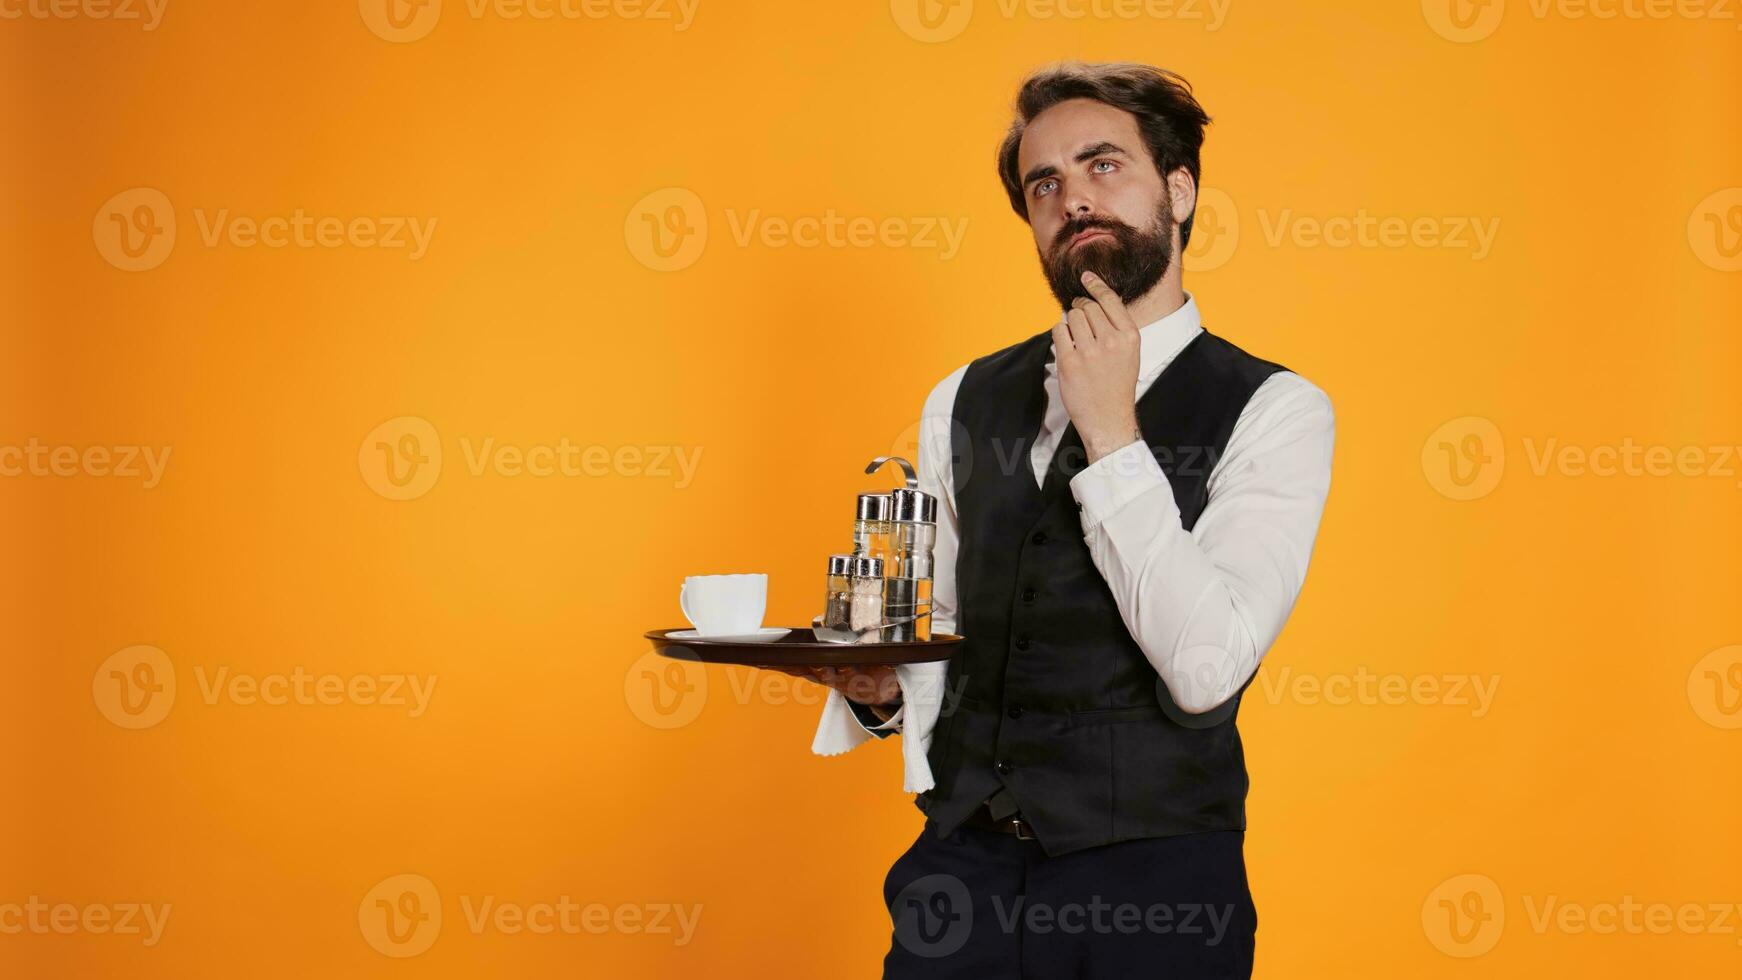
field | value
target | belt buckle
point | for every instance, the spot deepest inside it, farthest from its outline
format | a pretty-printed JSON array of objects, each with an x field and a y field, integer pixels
[{"x": 1020, "y": 825}]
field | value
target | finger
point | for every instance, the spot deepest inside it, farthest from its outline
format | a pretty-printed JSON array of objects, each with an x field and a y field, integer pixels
[
  {"x": 1081, "y": 332},
  {"x": 858, "y": 686},
  {"x": 1098, "y": 319},
  {"x": 1061, "y": 338},
  {"x": 1110, "y": 302}
]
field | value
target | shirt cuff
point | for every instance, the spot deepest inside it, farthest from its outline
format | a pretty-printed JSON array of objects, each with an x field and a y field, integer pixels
[
  {"x": 869, "y": 721},
  {"x": 1108, "y": 484}
]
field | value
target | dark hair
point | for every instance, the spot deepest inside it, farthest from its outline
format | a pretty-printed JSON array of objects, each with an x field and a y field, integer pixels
[{"x": 1168, "y": 116}]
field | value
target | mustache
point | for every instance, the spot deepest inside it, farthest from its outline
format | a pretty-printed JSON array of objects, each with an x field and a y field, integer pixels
[{"x": 1074, "y": 228}]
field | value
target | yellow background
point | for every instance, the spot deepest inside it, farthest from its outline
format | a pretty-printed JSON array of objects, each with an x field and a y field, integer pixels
[{"x": 1598, "y": 316}]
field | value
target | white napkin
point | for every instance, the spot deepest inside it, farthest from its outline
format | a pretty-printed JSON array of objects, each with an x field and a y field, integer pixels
[{"x": 922, "y": 690}]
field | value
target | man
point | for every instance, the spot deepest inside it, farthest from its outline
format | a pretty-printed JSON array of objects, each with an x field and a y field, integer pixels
[{"x": 1127, "y": 505}]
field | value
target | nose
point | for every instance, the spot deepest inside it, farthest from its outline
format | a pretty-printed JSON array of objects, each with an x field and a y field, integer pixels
[{"x": 1078, "y": 203}]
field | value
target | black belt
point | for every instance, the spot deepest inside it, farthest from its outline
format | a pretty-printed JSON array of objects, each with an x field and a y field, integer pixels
[{"x": 982, "y": 818}]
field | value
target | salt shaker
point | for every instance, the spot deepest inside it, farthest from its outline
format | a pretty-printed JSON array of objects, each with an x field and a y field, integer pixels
[{"x": 855, "y": 596}]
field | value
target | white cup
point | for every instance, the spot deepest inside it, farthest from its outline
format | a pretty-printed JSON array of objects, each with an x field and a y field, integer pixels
[{"x": 724, "y": 605}]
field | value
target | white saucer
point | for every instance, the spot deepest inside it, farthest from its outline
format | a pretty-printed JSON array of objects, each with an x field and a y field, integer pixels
[{"x": 766, "y": 634}]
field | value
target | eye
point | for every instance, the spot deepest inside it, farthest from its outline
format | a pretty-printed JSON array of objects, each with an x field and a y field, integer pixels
[
  {"x": 1044, "y": 186},
  {"x": 1110, "y": 164}
]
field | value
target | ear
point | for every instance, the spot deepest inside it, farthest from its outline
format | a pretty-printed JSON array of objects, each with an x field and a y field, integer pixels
[{"x": 1183, "y": 192}]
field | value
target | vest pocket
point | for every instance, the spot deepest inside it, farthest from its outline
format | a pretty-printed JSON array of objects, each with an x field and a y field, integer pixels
[{"x": 1116, "y": 716}]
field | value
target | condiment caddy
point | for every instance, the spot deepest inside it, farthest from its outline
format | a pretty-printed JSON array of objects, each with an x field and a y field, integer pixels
[{"x": 877, "y": 603}]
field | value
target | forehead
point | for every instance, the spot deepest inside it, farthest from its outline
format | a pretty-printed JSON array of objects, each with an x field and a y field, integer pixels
[{"x": 1056, "y": 133}]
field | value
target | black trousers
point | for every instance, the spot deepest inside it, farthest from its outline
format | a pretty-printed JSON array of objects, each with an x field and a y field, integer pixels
[{"x": 989, "y": 906}]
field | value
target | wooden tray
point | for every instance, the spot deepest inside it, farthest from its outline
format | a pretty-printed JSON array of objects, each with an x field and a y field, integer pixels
[{"x": 801, "y": 648}]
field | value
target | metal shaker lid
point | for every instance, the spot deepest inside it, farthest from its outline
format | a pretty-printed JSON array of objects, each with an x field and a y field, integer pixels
[
  {"x": 873, "y": 507},
  {"x": 909, "y": 504},
  {"x": 861, "y": 565},
  {"x": 913, "y": 506}
]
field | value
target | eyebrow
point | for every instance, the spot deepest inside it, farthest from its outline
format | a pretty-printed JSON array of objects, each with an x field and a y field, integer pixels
[{"x": 1086, "y": 153}]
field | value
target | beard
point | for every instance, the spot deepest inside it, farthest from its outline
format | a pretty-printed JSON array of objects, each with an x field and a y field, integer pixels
[{"x": 1131, "y": 262}]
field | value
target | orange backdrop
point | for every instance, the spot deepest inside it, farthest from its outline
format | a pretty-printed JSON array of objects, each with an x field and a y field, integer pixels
[{"x": 372, "y": 375}]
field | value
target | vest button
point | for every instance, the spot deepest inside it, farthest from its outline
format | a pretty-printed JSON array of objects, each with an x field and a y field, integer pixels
[
  {"x": 1039, "y": 537},
  {"x": 1003, "y": 768},
  {"x": 1028, "y": 595},
  {"x": 1014, "y": 711},
  {"x": 1022, "y": 643}
]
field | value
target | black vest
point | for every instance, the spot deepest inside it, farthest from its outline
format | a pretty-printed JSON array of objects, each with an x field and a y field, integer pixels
[{"x": 1049, "y": 695}]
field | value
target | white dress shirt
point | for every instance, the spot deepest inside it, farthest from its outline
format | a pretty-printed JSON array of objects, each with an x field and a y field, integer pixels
[{"x": 1203, "y": 605}]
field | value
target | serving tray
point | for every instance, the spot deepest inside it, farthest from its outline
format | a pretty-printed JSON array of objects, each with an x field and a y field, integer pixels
[{"x": 801, "y": 648}]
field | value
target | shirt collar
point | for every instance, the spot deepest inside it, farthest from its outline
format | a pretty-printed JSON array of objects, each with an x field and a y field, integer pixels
[{"x": 1158, "y": 342}]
